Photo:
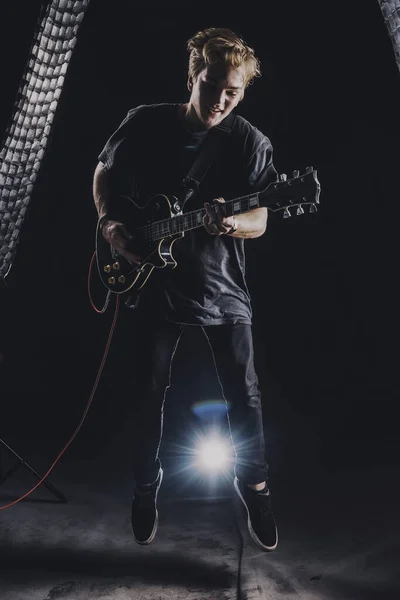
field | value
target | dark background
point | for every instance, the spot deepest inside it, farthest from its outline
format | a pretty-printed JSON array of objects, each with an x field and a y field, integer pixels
[{"x": 324, "y": 287}]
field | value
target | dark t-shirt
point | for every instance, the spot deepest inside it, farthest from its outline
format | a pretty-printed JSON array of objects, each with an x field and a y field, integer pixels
[{"x": 149, "y": 154}]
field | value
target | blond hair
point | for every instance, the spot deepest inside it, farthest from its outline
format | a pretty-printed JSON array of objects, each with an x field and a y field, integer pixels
[{"x": 215, "y": 44}]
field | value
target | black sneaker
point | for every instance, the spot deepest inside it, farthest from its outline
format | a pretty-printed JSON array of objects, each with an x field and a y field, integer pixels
[
  {"x": 144, "y": 511},
  {"x": 260, "y": 519}
]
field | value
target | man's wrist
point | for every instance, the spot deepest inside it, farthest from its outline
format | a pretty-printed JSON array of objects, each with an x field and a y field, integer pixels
[
  {"x": 102, "y": 221},
  {"x": 233, "y": 228}
]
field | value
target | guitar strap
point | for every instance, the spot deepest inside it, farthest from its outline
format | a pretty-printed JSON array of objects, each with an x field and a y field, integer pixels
[{"x": 214, "y": 141}]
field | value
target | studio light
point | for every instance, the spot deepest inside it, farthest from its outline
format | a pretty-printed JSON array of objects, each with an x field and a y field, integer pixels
[
  {"x": 213, "y": 454},
  {"x": 30, "y": 126}
]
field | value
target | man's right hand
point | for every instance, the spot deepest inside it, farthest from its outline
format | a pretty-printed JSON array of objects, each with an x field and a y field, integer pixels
[{"x": 116, "y": 234}]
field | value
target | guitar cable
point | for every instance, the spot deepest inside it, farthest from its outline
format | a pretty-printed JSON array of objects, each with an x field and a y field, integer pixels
[{"x": 99, "y": 311}]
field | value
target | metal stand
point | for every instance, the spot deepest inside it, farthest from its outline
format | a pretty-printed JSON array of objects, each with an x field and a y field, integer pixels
[{"x": 22, "y": 462}]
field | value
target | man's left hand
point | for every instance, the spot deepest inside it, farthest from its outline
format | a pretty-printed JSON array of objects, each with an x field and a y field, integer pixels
[{"x": 215, "y": 222}]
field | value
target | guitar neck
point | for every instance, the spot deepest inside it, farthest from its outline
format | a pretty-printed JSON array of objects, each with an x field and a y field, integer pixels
[
  {"x": 194, "y": 219},
  {"x": 302, "y": 189}
]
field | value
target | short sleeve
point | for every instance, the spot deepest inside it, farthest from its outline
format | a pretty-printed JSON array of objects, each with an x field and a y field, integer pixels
[
  {"x": 260, "y": 167},
  {"x": 118, "y": 148}
]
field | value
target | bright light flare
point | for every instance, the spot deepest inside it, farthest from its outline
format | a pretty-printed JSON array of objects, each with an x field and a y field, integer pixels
[{"x": 213, "y": 454}]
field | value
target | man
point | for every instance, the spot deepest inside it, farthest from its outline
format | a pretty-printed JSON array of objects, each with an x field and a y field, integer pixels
[{"x": 151, "y": 153}]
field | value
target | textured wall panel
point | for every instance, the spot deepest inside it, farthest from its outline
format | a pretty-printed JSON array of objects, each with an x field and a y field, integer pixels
[
  {"x": 31, "y": 122},
  {"x": 391, "y": 14}
]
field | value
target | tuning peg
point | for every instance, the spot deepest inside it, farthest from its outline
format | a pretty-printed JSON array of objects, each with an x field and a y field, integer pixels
[
  {"x": 300, "y": 210},
  {"x": 286, "y": 213},
  {"x": 309, "y": 169},
  {"x": 313, "y": 208},
  {"x": 296, "y": 173},
  {"x": 283, "y": 177}
]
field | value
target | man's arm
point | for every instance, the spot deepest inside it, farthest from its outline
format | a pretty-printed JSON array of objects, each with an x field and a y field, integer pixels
[
  {"x": 260, "y": 173},
  {"x": 114, "y": 232},
  {"x": 251, "y": 224},
  {"x": 101, "y": 194}
]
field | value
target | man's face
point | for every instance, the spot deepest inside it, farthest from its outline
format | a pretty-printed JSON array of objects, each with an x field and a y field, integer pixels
[{"x": 216, "y": 91}]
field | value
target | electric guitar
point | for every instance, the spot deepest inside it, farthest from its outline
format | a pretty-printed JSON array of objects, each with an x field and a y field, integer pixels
[{"x": 161, "y": 222}]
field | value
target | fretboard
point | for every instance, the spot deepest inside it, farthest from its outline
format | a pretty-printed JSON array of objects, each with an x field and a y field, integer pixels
[{"x": 191, "y": 220}]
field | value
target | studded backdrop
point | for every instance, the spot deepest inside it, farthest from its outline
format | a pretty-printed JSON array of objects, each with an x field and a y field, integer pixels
[
  {"x": 34, "y": 109},
  {"x": 391, "y": 14}
]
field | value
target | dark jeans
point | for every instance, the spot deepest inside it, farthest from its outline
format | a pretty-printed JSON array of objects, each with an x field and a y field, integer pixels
[{"x": 232, "y": 349}]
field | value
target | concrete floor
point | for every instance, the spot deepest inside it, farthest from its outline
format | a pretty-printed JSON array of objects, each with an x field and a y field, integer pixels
[{"x": 338, "y": 529}]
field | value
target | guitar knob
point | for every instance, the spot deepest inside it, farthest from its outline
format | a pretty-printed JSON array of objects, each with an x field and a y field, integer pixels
[
  {"x": 107, "y": 268},
  {"x": 286, "y": 213},
  {"x": 111, "y": 280},
  {"x": 300, "y": 210},
  {"x": 116, "y": 266},
  {"x": 313, "y": 208},
  {"x": 121, "y": 279},
  {"x": 296, "y": 173},
  {"x": 309, "y": 169},
  {"x": 283, "y": 177}
]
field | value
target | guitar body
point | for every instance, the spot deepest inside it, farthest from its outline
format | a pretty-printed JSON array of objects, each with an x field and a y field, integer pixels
[{"x": 117, "y": 273}]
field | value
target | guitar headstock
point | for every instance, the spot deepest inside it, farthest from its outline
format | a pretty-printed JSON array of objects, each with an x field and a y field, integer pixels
[{"x": 301, "y": 190}]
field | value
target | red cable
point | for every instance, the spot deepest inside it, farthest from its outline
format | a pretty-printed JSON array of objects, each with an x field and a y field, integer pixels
[
  {"x": 102, "y": 310},
  {"x": 91, "y": 394}
]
